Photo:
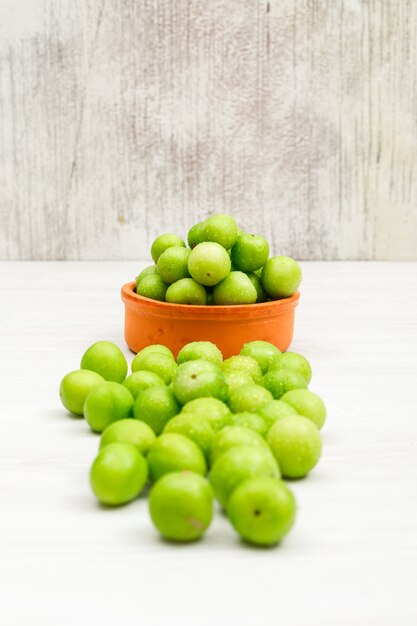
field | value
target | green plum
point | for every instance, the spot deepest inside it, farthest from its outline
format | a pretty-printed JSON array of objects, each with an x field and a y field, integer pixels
[
  {"x": 148, "y": 271},
  {"x": 250, "y": 420},
  {"x": 250, "y": 252},
  {"x": 173, "y": 264},
  {"x": 307, "y": 403},
  {"x": 173, "y": 452},
  {"x": 236, "y": 288},
  {"x": 196, "y": 234},
  {"x": 194, "y": 427},
  {"x": 162, "y": 243},
  {"x": 107, "y": 403},
  {"x": 235, "y": 378},
  {"x": 295, "y": 442},
  {"x": 155, "y": 347},
  {"x": 293, "y": 361},
  {"x": 156, "y": 406},
  {"x": 248, "y": 398},
  {"x": 131, "y": 431},
  {"x": 141, "y": 380},
  {"x": 158, "y": 363},
  {"x": 245, "y": 364},
  {"x": 205, "y": 350},
  {"x": 186, "y": 291},
  {"x": 153, "y": 287},
  {"x": 181, "y": 506},
  {"x": 213, "y": 410},
  {"x": 274, "y": 410},
  {"x": 262, "y": 510},
  {"x": 209, "y": 263},
  {"x": 118, "y": 474},
  {"x": 281, "y": 277},
  {"x": 75, "y": 387},
  {"x": 262, "y": 351},
  {"x": 199, "y": 379},
  {"x": 232, "y": 437},
  {"x": 238, "y": 464},
  {"x": 221, "y": 229},
  {"x": 105, "y": 358},
  {"x": 279, "y": 381},
  {"x": 261, "y": 295}
]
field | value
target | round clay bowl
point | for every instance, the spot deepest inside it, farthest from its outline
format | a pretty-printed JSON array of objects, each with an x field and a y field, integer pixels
[{"x": 229, "y": 327}]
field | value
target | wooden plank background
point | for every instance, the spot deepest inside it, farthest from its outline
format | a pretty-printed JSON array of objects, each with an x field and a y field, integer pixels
[{"x": 120, "y": 119}]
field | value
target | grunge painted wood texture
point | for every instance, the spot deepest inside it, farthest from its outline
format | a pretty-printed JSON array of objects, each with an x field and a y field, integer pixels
[{"x": 120, "y": 119}]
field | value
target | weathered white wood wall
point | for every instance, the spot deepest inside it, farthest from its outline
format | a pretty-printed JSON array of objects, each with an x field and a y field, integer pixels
[{"x": 120, "y": 119}]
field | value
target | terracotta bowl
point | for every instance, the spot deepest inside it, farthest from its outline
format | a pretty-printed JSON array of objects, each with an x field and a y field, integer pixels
[{"x": 229, "y": 327}]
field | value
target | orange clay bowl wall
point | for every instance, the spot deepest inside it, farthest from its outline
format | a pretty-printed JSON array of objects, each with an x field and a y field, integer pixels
[{"x": 229, "y": 327}]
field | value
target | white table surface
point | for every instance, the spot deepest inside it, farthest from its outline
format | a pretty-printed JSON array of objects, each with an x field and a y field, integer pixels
[{"x": 350, "y": 559}]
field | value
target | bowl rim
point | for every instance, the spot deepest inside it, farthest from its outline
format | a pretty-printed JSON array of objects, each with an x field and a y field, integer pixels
[{"x": 207, "y": 311}]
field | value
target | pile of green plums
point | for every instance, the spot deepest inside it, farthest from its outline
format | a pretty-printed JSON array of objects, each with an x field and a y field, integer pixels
[
  {"x": 199, "y": 428},
  {"x": 222, "y": 266}
]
